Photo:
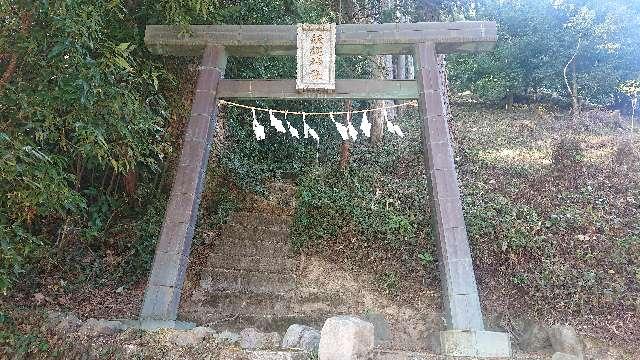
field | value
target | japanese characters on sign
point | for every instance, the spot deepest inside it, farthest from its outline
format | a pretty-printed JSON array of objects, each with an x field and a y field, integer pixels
[{"x": 316, "y": 57}]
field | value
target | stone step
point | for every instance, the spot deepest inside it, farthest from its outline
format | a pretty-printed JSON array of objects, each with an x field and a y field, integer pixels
[
  {"x": 252, "y": 244},
  {"x": 278, "y": 195},
  {"x": 243, "y": 303},
  {"x": 264, "y": 323},
  {"x": 402, "y": 355},
  {"x": 234, "y": 231},
  {"x": 233, "y": 248},
  {"x": 246, "y": 281},
  {"x": 268, "y": 304},
  {"x": 240, "y": 261},
  {"x": 260, "y": 220},
  {"x": 275, "y": 355}
]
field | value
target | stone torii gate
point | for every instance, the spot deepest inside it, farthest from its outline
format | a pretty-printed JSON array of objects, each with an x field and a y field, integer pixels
[{"x": 465, "y": 334}]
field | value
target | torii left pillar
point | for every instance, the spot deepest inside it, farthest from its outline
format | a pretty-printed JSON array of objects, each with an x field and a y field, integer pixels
[{"x": 162, "y": 295}]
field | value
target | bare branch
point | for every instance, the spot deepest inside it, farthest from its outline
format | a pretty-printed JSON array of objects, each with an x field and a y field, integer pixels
[{"x": 564, "y": 72}]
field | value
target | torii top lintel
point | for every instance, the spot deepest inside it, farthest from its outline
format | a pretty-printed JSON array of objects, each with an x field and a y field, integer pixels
[{"x": 351, "y": 39}]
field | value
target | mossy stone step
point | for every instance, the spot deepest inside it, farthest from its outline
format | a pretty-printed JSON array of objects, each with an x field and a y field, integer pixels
[
  {"x": 248, "y": 281},
  {"x": 234, "y": 248},
  {"x": 240, "y": 260},
  {"x": 264, "y": 323},
  {"x": 260, "y": 220},
  {"x": 247, "y": 303}
]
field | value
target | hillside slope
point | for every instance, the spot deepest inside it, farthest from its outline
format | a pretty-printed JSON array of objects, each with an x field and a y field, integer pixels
[
  {"x": 551, "y": 203},
  {"x": 552, "y": 206}
]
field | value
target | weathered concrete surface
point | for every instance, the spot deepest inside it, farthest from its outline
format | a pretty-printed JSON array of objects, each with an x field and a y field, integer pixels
[
  {"x": 535, "y": 337},
  {"x": 301, "y": 337},
  {"x": 460, "y": 294},
  {"x": 565, "y": 339},
  {"x": 381, "y": 332},
  {"x": 473, "y": 343},
  {"x": 63, "y": 323},
  {"x": 346, "y": 338},
  {"x": 95, "y": 327},
  {"x": 563, "y": 356},
  {"x": 251, "y": 338},
  {"x": 162, "y": 294}
]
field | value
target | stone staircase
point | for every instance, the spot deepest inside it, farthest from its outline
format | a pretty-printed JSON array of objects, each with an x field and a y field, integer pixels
[
  {"x": 252, "y": 279},
  {"x": 249, "y": 273}
]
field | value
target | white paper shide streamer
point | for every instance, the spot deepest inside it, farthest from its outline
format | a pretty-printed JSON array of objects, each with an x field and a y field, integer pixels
[
  {"x": 391, "y": 127},
  {"x": 314, "y": 135},
  {"x": 257, "y": 128},
  {"x": 305, "y": 127},
  {"x": 365, "y": 125},
  {"x": 342, "y": 130},
  {"x": 293, "y": 131},
  {"x": 346, "y": 132},
  {"x": 308, "y": 131},
  {"x": 353, "y": 134},
  {"x": 397, "y": 130},
  {"x": 276, "y": 123}
]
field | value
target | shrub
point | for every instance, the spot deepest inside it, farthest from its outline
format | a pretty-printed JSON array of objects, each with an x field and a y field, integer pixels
[
  {"x": 566, "y": 154},
  {"x": 82, "y": 111}
]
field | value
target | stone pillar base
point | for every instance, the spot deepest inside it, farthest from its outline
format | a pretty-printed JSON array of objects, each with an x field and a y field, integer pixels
[{"x": 473, "y": 343}]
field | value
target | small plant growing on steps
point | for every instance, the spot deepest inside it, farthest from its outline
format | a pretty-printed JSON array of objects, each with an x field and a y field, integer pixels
[
  {"x": 426, "y": 259},
  {"x": 389, "y": 281}
]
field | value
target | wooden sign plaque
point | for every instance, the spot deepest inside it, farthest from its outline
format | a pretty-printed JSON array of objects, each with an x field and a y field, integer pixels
[{"x": 316, "y": 56}]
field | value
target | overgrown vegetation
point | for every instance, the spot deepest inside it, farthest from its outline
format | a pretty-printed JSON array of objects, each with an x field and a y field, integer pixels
[
  {"x": 375, "y": 213},
  {"x": 82, "y": 129},
  {"x": 18, "y": 341},
  {"x": 550, "y": 203},
  {"x": 552, "y": 210}
]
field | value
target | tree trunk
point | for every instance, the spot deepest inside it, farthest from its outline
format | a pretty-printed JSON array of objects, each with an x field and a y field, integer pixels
[
  {"x": 25, "y": 24},
  {"x": 509, "y": 102},
  {"x": 411, "y": 71},
  {"x": 346, "y": 9},
  {"x": 382, "y": 69},
  {"x": 346, "y": 144},
  {"x": 388, "y": 63},
  {"x": 401, "y": 74},
  {"x": 400, "y": 60},
  {"x": 131, "y": 182},
  {"x": 574, "y": 88},
  {"x": 401, "y": 67},
  {"x": 377, "y": 123}
]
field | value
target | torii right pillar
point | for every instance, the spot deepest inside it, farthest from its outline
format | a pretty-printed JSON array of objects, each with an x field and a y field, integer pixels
[{"x": 465, "y": 334}]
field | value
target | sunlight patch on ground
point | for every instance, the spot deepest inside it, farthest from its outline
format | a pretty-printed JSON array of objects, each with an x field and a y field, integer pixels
[
  {"x": 518, "y": 156},
  {"x": 599, "y": 156},
  {"x": 599, "y": 149}
]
